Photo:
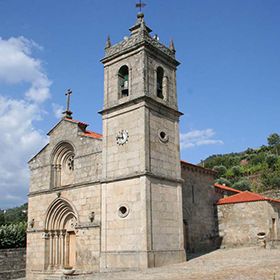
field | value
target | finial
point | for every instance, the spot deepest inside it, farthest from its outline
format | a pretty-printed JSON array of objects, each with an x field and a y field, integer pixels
[
  {"x": 108, "y": 43},
  {"x": 171, "y": 46},
  {"x": 67, "y": 113},
  {"x": 140, "y": 5}
]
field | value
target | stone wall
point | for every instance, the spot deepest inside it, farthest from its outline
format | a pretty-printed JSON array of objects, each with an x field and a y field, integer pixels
[
  {"x": 12, "y": 263},
  {"x": 199, "y": 211},
  {"x": 239, "y": 223}
]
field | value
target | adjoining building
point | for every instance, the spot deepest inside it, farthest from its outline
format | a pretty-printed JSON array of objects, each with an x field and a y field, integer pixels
[{"x": 245, "y": 216}]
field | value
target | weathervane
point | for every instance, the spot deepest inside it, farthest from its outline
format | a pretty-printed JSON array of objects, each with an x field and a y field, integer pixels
[
  {"x": 68, "y": 113},
  {"x": 140, "y": 5}
]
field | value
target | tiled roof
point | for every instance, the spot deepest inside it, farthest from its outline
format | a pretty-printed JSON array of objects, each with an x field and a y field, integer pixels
[
  {"x": 83, "y": 126},
  {"x": 226, "y": 188},
  {"x": 93, "y": 134},
  {"x": 245, "y": 197}
]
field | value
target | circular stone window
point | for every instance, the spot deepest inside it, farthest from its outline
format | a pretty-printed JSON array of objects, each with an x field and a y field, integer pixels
[
  {"x": 163, "y": 136},
  {"x": 123, "y": 211}
]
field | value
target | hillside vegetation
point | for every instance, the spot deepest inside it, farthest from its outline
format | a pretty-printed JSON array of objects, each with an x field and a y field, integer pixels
[
  {"x": 13, "y": 223},
  {"x": 257, "y": 170}
]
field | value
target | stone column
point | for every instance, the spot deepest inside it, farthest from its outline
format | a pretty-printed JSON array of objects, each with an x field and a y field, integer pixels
[
  {"x": 67, "y": 240},
  {"x": 51, "y": 240},
  {"x": 58, "y": 175},
  {"x": 62, "y": 248},
  {"x": 165, "y": 88},
  {"x": 56, "y": 249}
]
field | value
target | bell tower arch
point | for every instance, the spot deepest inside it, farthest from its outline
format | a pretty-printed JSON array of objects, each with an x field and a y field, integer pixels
[{"x": 142, "y": 223}]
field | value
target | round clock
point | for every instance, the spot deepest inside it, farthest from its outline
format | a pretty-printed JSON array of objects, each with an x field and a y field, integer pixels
[{"x": 122, "y": 137}]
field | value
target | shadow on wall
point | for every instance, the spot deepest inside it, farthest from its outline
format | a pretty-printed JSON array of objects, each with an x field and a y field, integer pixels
[{"x": 209, "y": 242}]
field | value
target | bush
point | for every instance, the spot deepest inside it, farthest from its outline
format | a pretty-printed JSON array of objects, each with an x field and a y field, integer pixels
[
  {"x": 13, "y": 236},
  {"x": 223, "y": 181},
  {"x": 221, "y": 170},
  {"x": 271, "y": 160},
  {"x": 236, "y": 171},
  {"x": 242, "y": 185}
]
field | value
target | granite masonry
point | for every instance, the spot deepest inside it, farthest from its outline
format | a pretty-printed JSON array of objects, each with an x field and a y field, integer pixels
[
  {"x": 113, "y": 201},
  {"x": 12, "y": 263},
  {"x": 123, "y": 200}
]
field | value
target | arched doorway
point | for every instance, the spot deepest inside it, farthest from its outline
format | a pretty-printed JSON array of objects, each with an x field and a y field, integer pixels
[{"x": 61, "y": 221}]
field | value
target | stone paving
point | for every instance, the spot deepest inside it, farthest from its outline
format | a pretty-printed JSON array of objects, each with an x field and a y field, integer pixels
[{"x": 230, "y": 264}]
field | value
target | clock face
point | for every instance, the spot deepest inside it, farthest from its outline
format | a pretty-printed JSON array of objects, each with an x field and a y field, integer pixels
[{"x": 122, "y": 137}]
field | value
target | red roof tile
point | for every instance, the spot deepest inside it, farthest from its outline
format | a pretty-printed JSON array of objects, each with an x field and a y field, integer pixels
[
  {"x": 83, "y": 126},
  {"x": 93, "y": 134},
  {"x": 226, "y": 188},
  {"x": 245, "y": 197}
]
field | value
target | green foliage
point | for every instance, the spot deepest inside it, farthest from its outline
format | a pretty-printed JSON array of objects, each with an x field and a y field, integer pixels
[
  {"x": 13, "y": 215},
  {"x": 258, "y": 158},
  {"x": 273, "y": 139},
  {"x": 13, "y": 235},
  {"x": 221, "y": 170},
  {"x": 223, "y": 181},
  {"x": 257, "y": 169},
  {"x": 236, "y": 171},
  {"x": 271, "y": 160},
  {"x": 242, "y": 185},
  {"x": 2, "y": 217}
]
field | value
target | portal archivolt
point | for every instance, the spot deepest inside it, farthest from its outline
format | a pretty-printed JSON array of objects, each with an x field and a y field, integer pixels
[{"x": 60, "y": 235}]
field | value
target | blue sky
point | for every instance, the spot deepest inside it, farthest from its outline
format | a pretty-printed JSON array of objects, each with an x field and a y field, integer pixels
[{"x": 228, "y": 80}]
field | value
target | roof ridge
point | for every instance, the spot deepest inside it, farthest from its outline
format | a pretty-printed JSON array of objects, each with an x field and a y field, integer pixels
[{"x": 245, "y": 196}]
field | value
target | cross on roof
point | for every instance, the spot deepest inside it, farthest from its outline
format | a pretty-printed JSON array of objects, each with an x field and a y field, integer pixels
[
  {"x": 140, "y": 5},
  {"x": 68, "y": 113}
]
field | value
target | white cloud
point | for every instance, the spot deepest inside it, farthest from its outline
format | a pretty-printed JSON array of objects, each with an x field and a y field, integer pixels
[
  {"x": 198, "y": 138},
  {"x": 17, "y": 66},
  {"x": 57, "y": 110},
  {"x": 19, "y": 138}
]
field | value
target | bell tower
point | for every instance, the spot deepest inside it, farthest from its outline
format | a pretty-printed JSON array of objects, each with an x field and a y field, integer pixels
[{"x": 141, "y": 180}]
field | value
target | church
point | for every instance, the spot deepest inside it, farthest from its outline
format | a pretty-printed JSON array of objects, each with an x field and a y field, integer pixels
[{"x": 123, "y": 199}]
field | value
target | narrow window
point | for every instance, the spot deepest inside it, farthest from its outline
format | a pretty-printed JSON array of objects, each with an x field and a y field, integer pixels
[
  {"x": 160, "y": 73},
  {"x": 123, "y": 81}
]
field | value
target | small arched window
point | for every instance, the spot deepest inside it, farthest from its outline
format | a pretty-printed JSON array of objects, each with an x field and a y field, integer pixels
[
  {"x": 160, "y": 74},
  {"x": 63, "y": 165},
  {"x": 123, "y": 76}
]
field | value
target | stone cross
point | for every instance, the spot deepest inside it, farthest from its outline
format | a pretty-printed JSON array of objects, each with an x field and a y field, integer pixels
[
  {"x": 68, "y": 113},
  {"x": 140, "y": 5}
]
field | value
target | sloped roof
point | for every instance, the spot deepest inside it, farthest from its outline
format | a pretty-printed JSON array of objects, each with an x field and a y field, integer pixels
[
  {"x": 198, "y": 168},
  {"x": 245, "y": 197},
  {"x": 93, "y": 134},
  {"x": 82, "y": 126},
  {"x": 226, "y": 188}
]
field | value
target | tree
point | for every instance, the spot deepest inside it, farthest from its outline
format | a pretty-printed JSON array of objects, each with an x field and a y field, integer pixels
[
  {"x": 220, "y": 169},
  {"x": 271, "y": 160},
  {"x": 236, "y": 171},
  {"x": 2, "y": 217},
  {"x": 273, "y": 141},
  {"x": 223, "y": 181},
  {"x": 242, "y": 185},
  {"x": 13, "y": 236}
]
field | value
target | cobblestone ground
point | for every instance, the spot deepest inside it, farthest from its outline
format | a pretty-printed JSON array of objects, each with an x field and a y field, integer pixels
[{"x": 230, "y": 264}]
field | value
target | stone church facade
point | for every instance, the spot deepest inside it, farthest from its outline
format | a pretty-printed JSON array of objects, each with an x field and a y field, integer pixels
[
  {"x": 124, "y": 199},
  {"x": 113, "y": 201}
]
